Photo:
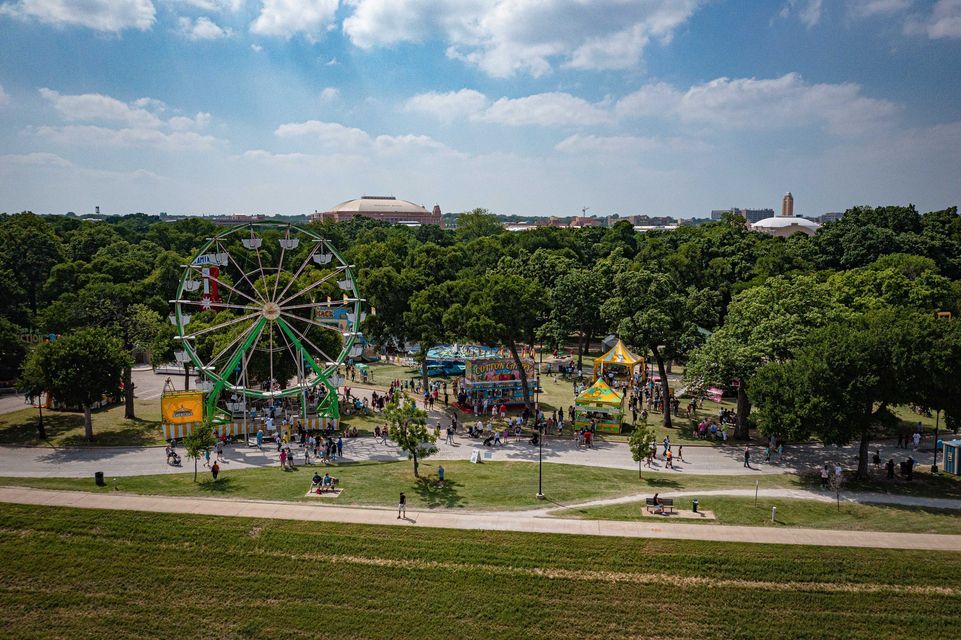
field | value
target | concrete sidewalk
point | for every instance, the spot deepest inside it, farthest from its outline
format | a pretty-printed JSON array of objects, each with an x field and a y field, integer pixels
[{"x": 503, "y": 521}]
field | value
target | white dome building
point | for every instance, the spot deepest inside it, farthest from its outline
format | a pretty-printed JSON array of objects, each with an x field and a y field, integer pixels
[
  {"x": 387, "y": 208},
  {"x": 786, "y": 224}
]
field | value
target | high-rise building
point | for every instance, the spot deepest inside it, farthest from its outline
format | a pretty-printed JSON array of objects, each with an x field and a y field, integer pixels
[
  {"x": 751, "y": 215},
  {"x": 787, "y": 205}
]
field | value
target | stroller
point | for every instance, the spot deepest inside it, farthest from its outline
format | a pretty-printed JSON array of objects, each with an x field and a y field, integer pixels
[
  {"x": 535, "y": 439},
  {"x": 172, "y": 457},
  {"x": 489, "y": 440}
]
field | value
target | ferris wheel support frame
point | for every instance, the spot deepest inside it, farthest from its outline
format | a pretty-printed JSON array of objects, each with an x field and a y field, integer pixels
[{"x": 329, "y": 406}]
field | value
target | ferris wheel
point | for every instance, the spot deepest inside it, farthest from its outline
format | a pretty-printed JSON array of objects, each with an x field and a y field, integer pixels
[{"x": 260, "y": 297}]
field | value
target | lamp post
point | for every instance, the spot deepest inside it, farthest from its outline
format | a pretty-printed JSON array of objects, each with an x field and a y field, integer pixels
[{"x": 540, "y": 441}]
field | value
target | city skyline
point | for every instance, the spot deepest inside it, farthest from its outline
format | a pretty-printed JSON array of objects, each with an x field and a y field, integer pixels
[{"x": 665, "y": 108}]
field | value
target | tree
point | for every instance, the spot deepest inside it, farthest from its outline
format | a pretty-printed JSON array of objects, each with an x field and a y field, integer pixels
[
  {"x": 12, "y": 351},
  {"x": 768, "y": 323},
  {"x": 79, "y": 369},
  {"x": 408, "y": 428},
  {"x": 576, "y": 301},
  {"x": 33, "y": 383},
  {"x": 650, "y": 310},
  {"x": 500, "y": 309},
  {"x": 198, "y": 442},
  {"x": 842, "y": 383},
  {"x": 425, "y": 320},
  {"x": 477, "y": 224},
  {"x": 29, "y": 248},
  {"x": 640, "y": 442}
]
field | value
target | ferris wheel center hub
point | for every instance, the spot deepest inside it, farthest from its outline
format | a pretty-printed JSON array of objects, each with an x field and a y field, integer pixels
[{"x": 271, "y": 311}]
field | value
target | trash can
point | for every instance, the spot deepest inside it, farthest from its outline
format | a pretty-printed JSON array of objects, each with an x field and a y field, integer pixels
[
  {"x": 694, "y": 506},
  {"x": 98, "y": 478}
]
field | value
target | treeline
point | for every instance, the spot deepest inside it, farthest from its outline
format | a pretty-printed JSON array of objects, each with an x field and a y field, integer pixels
[{"x": 744, "y": 311}]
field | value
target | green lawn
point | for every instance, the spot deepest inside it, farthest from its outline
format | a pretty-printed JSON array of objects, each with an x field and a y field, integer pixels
[
  {"x": 71, "y": 573},
  {"x": 65, "y": 428},
  {"x": 490, "y": 485},
  {"x": 793, "y": 513}
]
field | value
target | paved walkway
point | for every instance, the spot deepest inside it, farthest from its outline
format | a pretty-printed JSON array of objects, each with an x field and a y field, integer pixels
[
  {"x": 479, "y": 521},
  {"x": 863, "y": 497}
]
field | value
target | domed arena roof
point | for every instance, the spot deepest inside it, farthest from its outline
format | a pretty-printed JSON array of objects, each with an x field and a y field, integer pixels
[
  {"x": 781, "y": 222},
  {"x": 379, "y": 204},
  {"x": 786, "y": 226}
]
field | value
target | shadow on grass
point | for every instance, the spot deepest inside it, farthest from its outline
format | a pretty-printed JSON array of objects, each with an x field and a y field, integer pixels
[
  {"x": 219, "y": 486},
  {"x": 662, "y": 483},
  {"x": 435, "y": 495},
  {"x": 24, "y": 431},
  {"x": 135, "y": 433}
]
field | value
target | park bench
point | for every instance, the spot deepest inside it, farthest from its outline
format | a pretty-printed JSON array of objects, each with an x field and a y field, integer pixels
[{"x": 666, "y": 503}]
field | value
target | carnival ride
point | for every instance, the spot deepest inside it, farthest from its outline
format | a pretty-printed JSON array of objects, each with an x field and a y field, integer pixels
[{"x": 258, "y": 321}]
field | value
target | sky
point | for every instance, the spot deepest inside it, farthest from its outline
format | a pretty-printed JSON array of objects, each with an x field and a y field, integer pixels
[{"x": 529, "y": 107}]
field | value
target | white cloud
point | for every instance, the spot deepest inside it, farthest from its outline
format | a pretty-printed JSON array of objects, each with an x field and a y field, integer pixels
[
  {"x": 944, "y": 21},
  {"x": 546, "y": 109},
  {"x": 4, "y": 98},
  {"x": 101, "y": 108},
  {"x": 212, "y": 5},
  {"x": 136, "y": 124},
  {"x": 504, "y": 37},
  {"x": 873, "y": 8},
  {"x": 808, "y": 12},
  {"x": 203, "y": 28},
  {"x": 449, "y": 106},
  {"x": 100, "y": 15},
  {"x": 329, "y": 94},
  {"x": 330, "y": 135},
  {"x": 335, "y": 138},
  {"x": 183, "y": 123},
  {"x": 94, "y": 136},
  {"x": 286, "y": 18},
  {"x": 256, "y": 47},
  {"x": 626, "y": 145},
  {"x": 36, "y": 159},
  {"x": 776, "y": 103}
]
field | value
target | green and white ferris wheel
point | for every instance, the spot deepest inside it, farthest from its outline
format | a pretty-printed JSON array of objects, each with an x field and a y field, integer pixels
[{"x": 251, "y": 309}]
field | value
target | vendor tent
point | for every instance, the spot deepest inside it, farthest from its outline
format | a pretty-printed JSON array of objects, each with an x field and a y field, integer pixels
[
  {"x": 618, "y": 357},
  {"x": 601, "y": 404}
]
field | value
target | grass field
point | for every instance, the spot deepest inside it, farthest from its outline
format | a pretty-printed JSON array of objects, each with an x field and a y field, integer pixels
[
  {"x": 91, "y": 574},
  {"x": 792, "y": 513},
  {"x": 491, "y": 485},
  {"x": 65, "y": 428}
]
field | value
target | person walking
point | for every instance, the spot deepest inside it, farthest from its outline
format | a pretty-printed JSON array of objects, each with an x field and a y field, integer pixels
[
  {"x": 680, "y": 452},
  {"x": 669, "y": 456},
  {"x": 340, "y": 447},
  {"x": 824, "y": 476},
  {"x": 260, "y": 439},
  {"x": 402, "y": 506},
  {"x": 747, "y": 457},
  {"x": 917, "y": 440},
  {"x": 215, "y": 470},
  {"x": 283, "y": 460}
]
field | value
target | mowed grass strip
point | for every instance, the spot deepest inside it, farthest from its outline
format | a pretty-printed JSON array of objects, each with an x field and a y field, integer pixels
[
  {"x": 91, "y": 574},
  {"x": 489, "y": 485},
  {"x": 790, "y": 513}
]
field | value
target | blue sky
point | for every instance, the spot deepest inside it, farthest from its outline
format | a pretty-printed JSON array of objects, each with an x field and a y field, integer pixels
[{"x": 536, "y": 107}]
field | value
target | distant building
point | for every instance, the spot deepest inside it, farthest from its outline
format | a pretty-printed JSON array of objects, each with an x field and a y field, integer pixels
[
  {"x": 751, "y": 215},
  {"x": 787, "y": 205},
  {"x": 831, "y": 216},
  {"x": 786, "y": 224},
  {"x": 386, "y": 208},
  {"x": 582, "y": 221},
  {"x": 227, "y": 221}
]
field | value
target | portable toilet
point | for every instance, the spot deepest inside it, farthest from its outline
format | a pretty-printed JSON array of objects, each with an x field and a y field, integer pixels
[{"x": 952, "y": 457}]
